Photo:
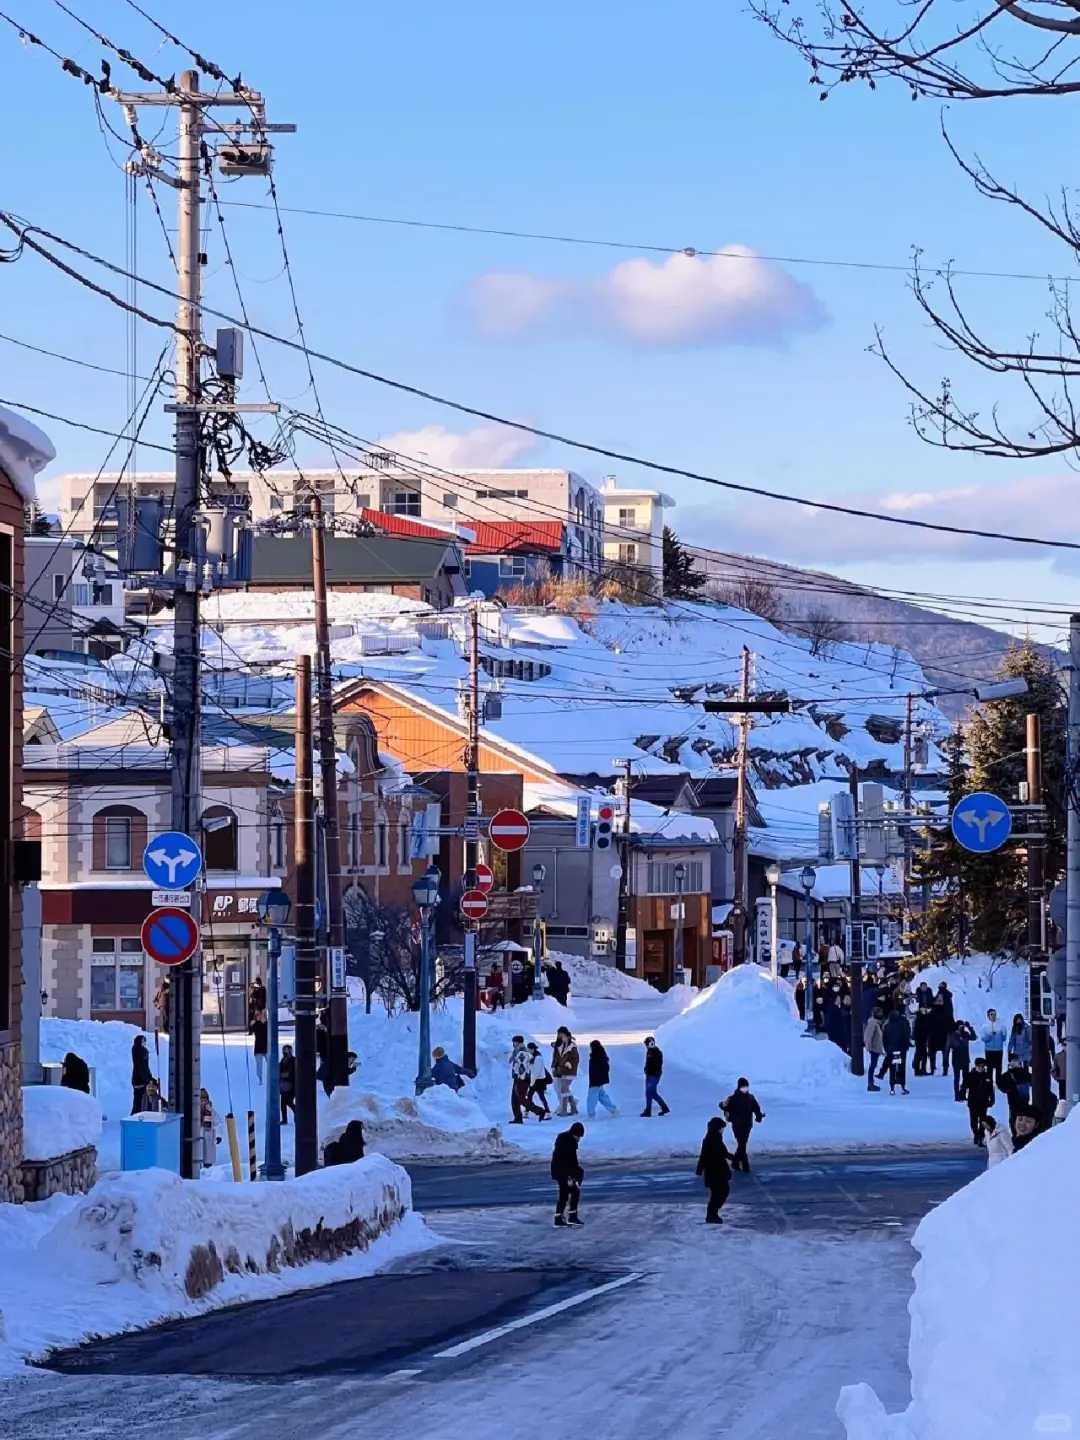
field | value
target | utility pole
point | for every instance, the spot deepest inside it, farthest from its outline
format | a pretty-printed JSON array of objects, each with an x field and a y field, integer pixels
[
  {"x": 1036, "y": 896},
  {"x": 855, "y": 964},
  {"x": 909, "y": 717},
  {"x": 338, "y": 1055},
  {"x": 624, "y": 871},
  {"x": 472, "y": 840},
  {"x": 739, "y": 916},
  {"x": 1072, "y": 913},
  {"x": 307, "y": 1131}
]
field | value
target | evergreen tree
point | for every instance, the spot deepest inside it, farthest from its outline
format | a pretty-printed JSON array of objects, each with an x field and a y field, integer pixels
[{"x": 681, "y": 580}]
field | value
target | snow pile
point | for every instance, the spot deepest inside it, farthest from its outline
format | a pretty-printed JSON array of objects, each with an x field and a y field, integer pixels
[
  {"x": 57, "y": 1121},
  {"x": 147, "y": 1246},
  {"x": 24, "y": 450},
  {"x": 980, "y": 983},
  {"x": 105, "y": 1045},
  {"x": 745, "y": 1025},
  {"x": 986, "y": 1360},
  {"x": 439, "y": 1122},
  {"x": 593, "y": 980}
]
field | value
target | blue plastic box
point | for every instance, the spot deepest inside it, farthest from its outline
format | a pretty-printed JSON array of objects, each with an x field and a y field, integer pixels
[{"x": 150, "y": 1140}]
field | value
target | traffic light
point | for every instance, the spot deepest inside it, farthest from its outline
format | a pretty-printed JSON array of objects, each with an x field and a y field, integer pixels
[{"x": 605, "y": 819}]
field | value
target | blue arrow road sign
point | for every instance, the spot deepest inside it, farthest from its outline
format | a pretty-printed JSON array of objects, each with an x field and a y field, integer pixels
[
  {"x": 981, "y": 822},
  {"x": 172, "y": 861}
]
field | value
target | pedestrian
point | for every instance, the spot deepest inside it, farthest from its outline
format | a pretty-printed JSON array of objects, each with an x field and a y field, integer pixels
[
  {"x": 323, "y": 1072},
  {"x": 287, "y": 1083},
  {"x": 1020, "y": 1040},
  {"x": 896, "y": 1033},
  {"x": 921, "y": 1036},
  {"x": 940, "y": 1025},
  {"x": 818, "y": 1004},
  {"x": 539, "y": 1080},
  {"x": 1015, "y": 1085},
  {"x": 714, "y": 1167},
  {"x": 257, "y": 1028},
  {"x": 348, "y": 1147},
  {"x": 256, "y": 996},
  {"x": 162, "y": 1002},
  {"x": 1029, "y": 1123},
  {"x": 960, "y": 1039},
  {"x": 654, "y": 1068},
  {"x": 993, "y": 1038},
  {"x": 210, "y": 1126},
  {"x": 140, "y": 1073},
  {"x": 797, "y": 959},
  {"x": 874, "y": 1040},
  {"x": 565, "y": 1062},
  {"x": 924, "y": 996},
  {"x": 558, "y": 983},
  {"x": 599, "y": 1080},
  {"x": 152, "y": 1103},
  {"x": 75, "y": 1073},
  {"x": 800, "y": 997},
  {"x": 567, "y": 1173},
  {"x": 999, "y": 1143},
  {"x": 980, "y": 1096},
  {"x": 947, "y": 1000},
  {"x": 1058, "y": 1068},
  {"x": 742, "y": 1109},
  {"x": 445, "y": 1071},
  {"x": 520, "y": 1066}
]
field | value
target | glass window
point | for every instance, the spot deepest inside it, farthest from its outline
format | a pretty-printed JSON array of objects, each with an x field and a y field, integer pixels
[
  {"x": 102, "y": 594},
  {"x": 130, "y": 988},
  {"x": 354, "y": 839},
  {"x": 102, "y": 944},
  {"x": 628, "y": 518},
  {"x": 661, "y": 877},
  {"x": 131, "y": 946},
  {"x": 279, "y": 843},
  {"x": 403, "y": 843},
  {"x": 59, "y": 586},
  {"x": 380, "y": 840},
  {"x": 628, "y": 554},
  {"x": 405, "y": 502},
  {"x": 117, "y": 842},
  {"x": 103, "y": 986},
  {"x": 511, "y": 566}
]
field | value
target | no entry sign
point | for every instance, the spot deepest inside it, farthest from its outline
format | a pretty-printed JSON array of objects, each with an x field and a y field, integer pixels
[
  {"x": 485, "y": 877},
  {"x": 509, "y": 830},
  {"x": 474, "y": 904},
  {"x": 170, "y": 936}
]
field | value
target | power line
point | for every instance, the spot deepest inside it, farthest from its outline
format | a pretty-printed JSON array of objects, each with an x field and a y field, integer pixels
[
  {"x": 78, "y": 424},
  {"x": 68, "y": 359}
]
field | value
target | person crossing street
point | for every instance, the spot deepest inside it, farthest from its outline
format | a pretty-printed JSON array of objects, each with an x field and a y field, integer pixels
[
  {"x": 714, "y": 1167},
  {"x": 874, "y": 1040},
  {"x": 742, "y": 1109},
  {"x": 568, "y": 1175},
  {"x": 654, "y": 1068}
]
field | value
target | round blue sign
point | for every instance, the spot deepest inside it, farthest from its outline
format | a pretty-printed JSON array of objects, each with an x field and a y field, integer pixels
[{"x": 981, "y": 822}]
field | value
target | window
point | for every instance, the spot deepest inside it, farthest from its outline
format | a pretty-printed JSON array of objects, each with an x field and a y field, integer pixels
[
  {"x": 450, "y": 500},
  {"x": 628, "y": 519},
  {"x": 59, "y": 586},
  {"x": 220, "y": 841},
  {"x": 363, "y": 502},
  {"x": 405, "y": 502},
  {"x": 119, "y": 838},
  {"x": 661, "y": 877},
  {"x": 502, "y": 494},
  {"x": 116, "y": 973},
  {"x": 380, "y": 845},
  {"x": 101, "y": 594},
  {"x": 628, "y": 554},
  {"x": 403, "y": 844},
  {"x": 354, "y": 840},
  {"x": 277, "y": 839},
  {"x": 466, "y": 569},
  {"x": 276, "y": 502},
  {"x": 512, "y": 567},
  {"x": 118, "y": 842}
]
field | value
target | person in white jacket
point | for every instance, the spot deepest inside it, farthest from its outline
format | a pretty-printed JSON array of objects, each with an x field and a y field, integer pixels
[{"x": 999, "y": 1145}]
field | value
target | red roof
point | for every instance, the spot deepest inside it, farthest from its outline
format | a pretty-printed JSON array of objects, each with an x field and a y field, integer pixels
[
  {"x": 508, "y": 537},
  {"x": 404, "y": 525}
]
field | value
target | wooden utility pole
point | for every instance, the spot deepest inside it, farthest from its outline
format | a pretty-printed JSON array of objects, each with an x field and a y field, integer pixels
[
  {"x": 472, "y": 845},
  {"x": 1072, "y": 914},
  {"x": 739, "y": 916},
  {"x": 905, "y": 832},
  {"x": 623, "y": 917},
  {"x": 855, "y": 959},
  {"x": 1036, "y": 897},
  {"x": 335, "y": 968},
  {"x": 307, "y": 1131}
]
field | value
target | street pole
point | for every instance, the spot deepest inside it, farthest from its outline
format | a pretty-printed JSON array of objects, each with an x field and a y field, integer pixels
[
  {"x": 905, "y": 905},
  {"x": 335, "y": 977},
  {"x": 272, "y": 1166},
  {"x": 1072, "y": 913},
  {"x": 811, "y": 1028},
  {"x": 679, "y": 877},
  {"x": 424, "y": 1078},
  {"x": 185, "y": 1039},
  {"x": 739, "y": 847},
  {"x": 307, "y": 1120},
  {"x": 1036, "y": 863},
  {"x": 774, "y": 928},
  {"x": 624, "y": 872},
  {"x": 855, "y": 966},
  {"x": 472, "y": 844}
]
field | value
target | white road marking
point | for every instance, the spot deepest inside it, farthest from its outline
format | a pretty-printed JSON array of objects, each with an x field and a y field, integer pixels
[
  {"x": 403, "y": 1374},
  {"x": 487, "y": 1336}
]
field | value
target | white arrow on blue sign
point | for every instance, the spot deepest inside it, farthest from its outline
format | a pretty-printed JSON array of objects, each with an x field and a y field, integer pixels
[
  {"x": 172, "y": 861},
  {"x": 981, "y": 822}
]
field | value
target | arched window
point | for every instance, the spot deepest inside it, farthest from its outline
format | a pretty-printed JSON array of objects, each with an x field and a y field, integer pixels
[
  {"x": 31, "y": 825},
  {"x": 220, "y": 838},
  {"x": 119, "y": 838}
]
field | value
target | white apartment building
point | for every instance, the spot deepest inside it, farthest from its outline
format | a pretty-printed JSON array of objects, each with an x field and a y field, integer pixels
[
  {"x": 634, "y": 527},
  {"x": 66, "y": 608}
]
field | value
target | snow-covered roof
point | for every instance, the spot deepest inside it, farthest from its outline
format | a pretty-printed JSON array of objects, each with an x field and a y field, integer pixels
[
  {"x": 24, "y": 451},
  {"x": 651, "y": 822},
  {"x": 833, "y": 882}
]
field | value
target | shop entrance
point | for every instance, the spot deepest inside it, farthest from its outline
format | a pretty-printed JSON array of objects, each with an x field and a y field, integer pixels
[
  {"x": 657, "y": 951},
  {"x": 226, "y": 980}
]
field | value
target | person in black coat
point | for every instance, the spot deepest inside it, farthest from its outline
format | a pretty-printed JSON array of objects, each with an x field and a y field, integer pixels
[
  {"x": 349, "y": 1146},
  {"x": 714, "y": 1167},
  {"x": 654, "y": 1068},
  {"x": 1015, "y": 1085},
  {"x": 141, "y": 1074},
  {"x": 558, "y": 983},
  {"x": 922, "y": 1039},
  {"x": 287, "y": 1083},
  {"x": 960, "y": 1040},
  {"x": 742, "y": 1109},
  {"x": 896, "y": 1033},
  {"x": 940, "y": 1025},
  {"x": 980, "y": 1096},
  {"x": 800, "y": 997},
  {"x": 567, "y": 1173},
  {"x": 947, "y": 1000},
  {"x": 75, "y": 1073},
  {"x": 257, "y": 1027}
]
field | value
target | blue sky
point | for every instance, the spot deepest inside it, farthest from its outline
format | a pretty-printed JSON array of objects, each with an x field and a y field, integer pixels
[{"x": 689, "y": 128}]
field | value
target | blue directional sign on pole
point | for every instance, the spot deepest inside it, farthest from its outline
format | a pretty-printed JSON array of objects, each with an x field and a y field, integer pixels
[
  {"x": 172, "y": 861},
  {"x": 981, "y": 822}
]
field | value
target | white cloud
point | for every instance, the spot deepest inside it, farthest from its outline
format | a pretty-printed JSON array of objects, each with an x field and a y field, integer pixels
[
  {"x": 732, "y": 297},
  {"x": 483, "y": 447},
  {"x": 904, "y": 500}
]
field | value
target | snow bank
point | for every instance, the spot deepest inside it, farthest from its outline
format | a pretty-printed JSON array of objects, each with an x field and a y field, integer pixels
[
  {"x": 105, "y": 1045},
  {"x": 147, "y": 1246},
  {"x": 745, "y": 1025},
  {"x": 987, "y": 1359},
  {"x": 979, "y": 983},
  {"x": 438, "y": 1123},
  {"x": 592, "y": 980},
  {"x": 57, "y": 1120}
]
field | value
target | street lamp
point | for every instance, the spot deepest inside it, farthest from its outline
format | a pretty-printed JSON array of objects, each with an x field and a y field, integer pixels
[
  {"x": 809, "y": 880},
  {"x": 773, "y": 874},
  {"x": 679, "y": 871},
  {"x": 539, "y": 875},
  {"x": 273, "y": 908},
  {"x": 426, "y": 897}
]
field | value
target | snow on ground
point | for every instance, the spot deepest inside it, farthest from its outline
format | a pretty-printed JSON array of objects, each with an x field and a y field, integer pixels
[
  {"x": 57, "y": 1120},
  {"x": 593, "y": 980},
  {"x": 123, "y": 1257},
  {"x": 980, "y": 983},
  {"x": 992, "y": 1350},
  {"x": 440, "y": 1123}
]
